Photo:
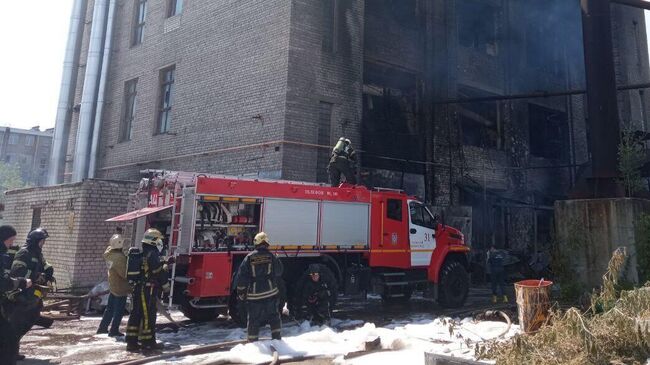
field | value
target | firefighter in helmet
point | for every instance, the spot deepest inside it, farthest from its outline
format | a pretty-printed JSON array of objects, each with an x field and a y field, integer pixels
[
  {"x": 257, "y": 284},
  {"x": 153, "y": 277},
  {"x": 8, "y": 336},
  {"x": 342, "y": 162},
  {"x": 25, "y": 306},
  {"x": 316, "y": 296}
]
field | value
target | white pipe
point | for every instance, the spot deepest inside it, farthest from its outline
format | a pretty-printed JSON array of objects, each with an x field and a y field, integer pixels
[
  {"x": 89, "y": 95},
  {"x": 66, "y": 94},
  {"x": 92, "y": 166}
]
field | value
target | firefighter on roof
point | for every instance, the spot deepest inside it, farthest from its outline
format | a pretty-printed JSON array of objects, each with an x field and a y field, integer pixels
[
  {"x": 25, "y": 306},
  {"x": 8, "y": 336},
  {"x": 342, "y": 162},
  {"x": 150, "y": 277},
  {"x": 316, "y": 296},
  {"x": 257, "y": 284}
]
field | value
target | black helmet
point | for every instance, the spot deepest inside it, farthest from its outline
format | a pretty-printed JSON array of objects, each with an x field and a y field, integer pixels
[
  {"x": 36, "y": 236},
  {"x": 314, "y": 269}
]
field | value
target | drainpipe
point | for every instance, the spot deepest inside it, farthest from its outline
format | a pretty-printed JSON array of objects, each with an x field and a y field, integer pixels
[
  {"x": 92, "y": 167},
  {"x": 66, "y": 94},
  {"x": 89, "y": 95}
]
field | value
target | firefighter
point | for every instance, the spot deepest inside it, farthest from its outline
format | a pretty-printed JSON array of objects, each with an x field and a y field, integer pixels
[
  {"x": 118, "y": 285},
  {"x": 496, "y": 261},
  {"x": 342, "y": 162},
  {"x": 316, "y": 296},
  {"x": 140, "y": 330},
  {"x": 24, "y": 307},
  {"x": 257, "y": 284},
  {"x": 8, "y": 337}
]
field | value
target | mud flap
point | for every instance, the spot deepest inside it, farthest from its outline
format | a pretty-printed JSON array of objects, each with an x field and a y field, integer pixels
[{"x": 431, "y": 291}]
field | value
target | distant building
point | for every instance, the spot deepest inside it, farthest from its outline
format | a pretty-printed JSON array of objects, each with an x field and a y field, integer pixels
[{"x": 30, "y": 150}]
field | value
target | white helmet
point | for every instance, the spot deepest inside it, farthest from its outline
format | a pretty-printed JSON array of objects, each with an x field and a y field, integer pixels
[
  {"x": 261, "y": 238},
  {"x": 116, "y": 242}
]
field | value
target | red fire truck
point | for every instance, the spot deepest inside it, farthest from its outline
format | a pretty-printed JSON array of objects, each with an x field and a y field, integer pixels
[{"x": 380, "y": 241}]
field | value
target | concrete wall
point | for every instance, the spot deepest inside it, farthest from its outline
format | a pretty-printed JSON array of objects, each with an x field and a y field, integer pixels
[
  {"x": 74, "y": 216},
  {"x": 594, "y": 229}
]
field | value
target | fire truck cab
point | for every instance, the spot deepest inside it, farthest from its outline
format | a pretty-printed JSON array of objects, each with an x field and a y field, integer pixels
[{"x": 378, "y": 241}]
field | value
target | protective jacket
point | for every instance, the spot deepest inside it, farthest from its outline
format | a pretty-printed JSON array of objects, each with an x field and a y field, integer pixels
[
  {"x": 29, "y": 263},
  {"x": 116, "y": 262},
  {"x": 259, "y": 274}
]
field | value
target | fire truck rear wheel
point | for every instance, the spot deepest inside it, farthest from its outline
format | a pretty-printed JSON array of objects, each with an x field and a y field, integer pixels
[{"x": 454, "y": 285}]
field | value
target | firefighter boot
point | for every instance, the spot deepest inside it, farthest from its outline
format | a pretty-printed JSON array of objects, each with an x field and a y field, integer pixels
[
  {"x": 505, "y": 299},
  {"x": 494, "y": 299}
]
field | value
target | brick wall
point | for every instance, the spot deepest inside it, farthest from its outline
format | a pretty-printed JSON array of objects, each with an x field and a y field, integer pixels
[{"x": 74, "y": 216}]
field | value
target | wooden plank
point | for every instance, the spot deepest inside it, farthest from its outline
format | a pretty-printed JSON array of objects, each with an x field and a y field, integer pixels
[{"x": 435, "y": 359}]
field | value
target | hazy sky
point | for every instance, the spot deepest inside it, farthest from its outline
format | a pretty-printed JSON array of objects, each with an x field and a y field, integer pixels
[{"x": 33, "y": 35}]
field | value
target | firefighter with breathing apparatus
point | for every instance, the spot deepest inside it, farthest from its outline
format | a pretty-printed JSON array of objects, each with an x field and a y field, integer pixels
[
  {"x": 257, "y": 284},
  {"x": 29, "y": 263},
  {"x": 342, "y": 162},
  {"x": 148, "y": 274}
]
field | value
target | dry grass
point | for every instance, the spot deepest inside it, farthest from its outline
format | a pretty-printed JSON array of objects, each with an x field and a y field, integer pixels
[{"x": 615, "y": 330}]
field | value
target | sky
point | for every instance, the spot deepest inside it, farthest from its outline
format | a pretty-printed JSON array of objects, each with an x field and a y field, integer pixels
[{"x": 33, "y": 36}]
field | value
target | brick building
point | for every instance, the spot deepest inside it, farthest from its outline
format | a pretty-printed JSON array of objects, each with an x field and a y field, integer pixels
[
  {"x": 29, "y": 149},
  {"x": 73, "y": 215},
  {"x": 420, "y": 86}
]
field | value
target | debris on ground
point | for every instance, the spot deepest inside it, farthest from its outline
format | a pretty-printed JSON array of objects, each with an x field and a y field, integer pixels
[{"x": 614, "y": 330}]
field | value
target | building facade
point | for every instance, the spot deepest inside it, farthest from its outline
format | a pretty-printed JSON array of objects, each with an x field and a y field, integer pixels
[
  {"x": 29, "y": 149},
  {"x": 441, "y": 97}
]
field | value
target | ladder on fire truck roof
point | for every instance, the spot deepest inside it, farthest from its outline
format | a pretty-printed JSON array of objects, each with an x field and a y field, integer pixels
[{"x": 189, "y": 178}]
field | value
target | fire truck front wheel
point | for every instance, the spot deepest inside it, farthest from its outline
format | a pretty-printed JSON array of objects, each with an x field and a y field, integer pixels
[{"x": 454, "y": 285}]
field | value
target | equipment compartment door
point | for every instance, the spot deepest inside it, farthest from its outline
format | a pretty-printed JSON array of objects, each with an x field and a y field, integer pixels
[
  {"x": 290, "y": 222},
  {"x": 421, "y": 234}
]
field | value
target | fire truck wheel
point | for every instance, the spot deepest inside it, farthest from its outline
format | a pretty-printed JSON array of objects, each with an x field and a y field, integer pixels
[
  {"x": 295, "y": 307},
  {"x": 454, "y": 285},
  {"x": 199, "y": 314}
]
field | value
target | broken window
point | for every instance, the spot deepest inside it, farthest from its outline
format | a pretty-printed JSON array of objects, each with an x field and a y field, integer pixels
[
  {"x": 166, "y": 99},
  {"x": 479, "y": 121},
  {"x": 129, "y": 109},
  {"x": 548, "y": 132},
  {"x": 477, "y": 26},
  {"x": 324, "y": 126},
  {"x": 394, "y": 209},
  {"x": 138, "y": 24}
]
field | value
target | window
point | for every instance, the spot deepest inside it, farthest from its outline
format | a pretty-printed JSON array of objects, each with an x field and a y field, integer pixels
[
  {"x": 14, "y": 138},
  {"x": 329, "y": 25},
  {"x": 166, "y": 99},
  {"x": 138, "y": 24},
  {"x": 549, "y": 132},
  {"x": 29, "y": 140},
  {"x": 129, "y": 109},
  {"x": 43, "y": 163},
  {"x": 175, "y": 8},
  {"x": 479, "y": 121},
  {"x": 324, "y": 126},
  {"x": 477, "y": 26},
  {"x": 36, "y": 218},
  {"x": 394, "y": 209},
  {"x": 420, "y": 216}
]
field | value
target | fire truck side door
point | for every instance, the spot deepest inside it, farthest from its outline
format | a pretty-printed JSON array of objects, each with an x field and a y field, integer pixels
[{"x": 421, "y": 234}]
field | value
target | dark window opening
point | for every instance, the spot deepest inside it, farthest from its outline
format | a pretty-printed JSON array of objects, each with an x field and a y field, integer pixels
[
  {"x": 175, "y": 8},
  {"x": 330, "y": 25},
  {"x": 130, "y": 91},
  {"x": 138, "y": 25},
  {"x": 477, "y": 26},
  {"x": 36, "y": 218},
  {"x": 324, "y": 127},
  {"x": 394, "y": 209},
  {"x": 166, "y": 99},
  {"x": 404, "y": 12},
  {"x": 548, "y": 132},
  {"x": 479, "y": 121}
]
